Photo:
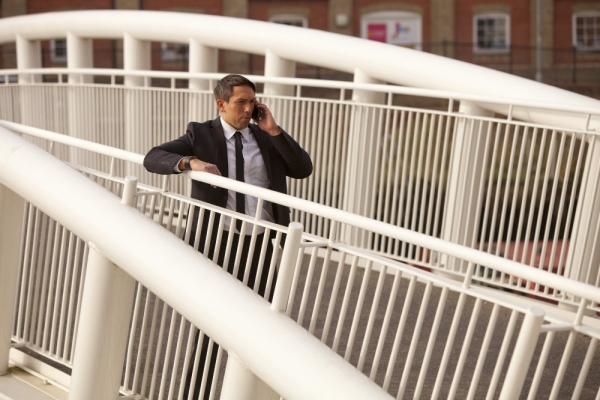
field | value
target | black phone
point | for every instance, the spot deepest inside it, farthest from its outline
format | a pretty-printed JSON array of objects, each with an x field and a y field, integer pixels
[{"x": 256, "y": 114}]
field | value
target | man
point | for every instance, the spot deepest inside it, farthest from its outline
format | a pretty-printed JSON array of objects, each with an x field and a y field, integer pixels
[{"x": 269, "y": 156}]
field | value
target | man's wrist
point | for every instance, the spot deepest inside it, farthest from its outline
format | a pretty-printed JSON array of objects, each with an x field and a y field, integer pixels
[
  {"x": 179, "y": 167},
  {"x": 275, "y": 132},
  {"x": 186, "y": 162}
]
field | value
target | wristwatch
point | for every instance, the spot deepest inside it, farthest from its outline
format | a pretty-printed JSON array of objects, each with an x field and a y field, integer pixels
[{"x": 186, "y": 162}]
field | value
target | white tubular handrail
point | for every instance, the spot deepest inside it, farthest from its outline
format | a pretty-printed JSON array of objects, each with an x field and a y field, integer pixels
[
  {"x": 517, "y": 103},
  {"x": 474, "y": 256},
  {"x": 209, "y": 297},
  {"x": 387, "y": 63},
  {"x": 75, "y": 142}
]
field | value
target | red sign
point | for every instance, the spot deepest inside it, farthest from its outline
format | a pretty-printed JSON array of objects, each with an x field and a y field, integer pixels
[{"x": 377, "y": 32}]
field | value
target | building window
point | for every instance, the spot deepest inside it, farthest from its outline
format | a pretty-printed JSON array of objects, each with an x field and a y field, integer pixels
[
  {"x": 586, "y": 31},
  {"x": 292, "y": 20},
  {"x": 58, "y": 50},
  {"x": 175, "y": 52},
  {"x": 402, "y": 28},
  {"x": 491, "y": 33}
]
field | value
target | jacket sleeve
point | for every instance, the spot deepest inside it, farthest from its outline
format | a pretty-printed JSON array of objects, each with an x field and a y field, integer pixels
[
  {"x": 162, "y": 159},
  {"x": 298, "y": 164}
]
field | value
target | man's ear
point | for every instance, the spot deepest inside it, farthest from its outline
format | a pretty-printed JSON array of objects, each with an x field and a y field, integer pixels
[{"x": 221, "y": 105}]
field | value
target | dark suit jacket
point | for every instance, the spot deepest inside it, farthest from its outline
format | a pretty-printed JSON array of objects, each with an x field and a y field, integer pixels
[{"x": 282, "y": 155}]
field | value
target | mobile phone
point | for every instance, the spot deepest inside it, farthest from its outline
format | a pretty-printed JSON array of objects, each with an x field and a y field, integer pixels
[{"x": 256, "y": 114}]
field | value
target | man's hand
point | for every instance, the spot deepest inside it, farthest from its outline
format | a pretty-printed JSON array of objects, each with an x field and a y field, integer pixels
[
  {"x": 199, "y": 165},
  {"x": 267, "y": 122}
]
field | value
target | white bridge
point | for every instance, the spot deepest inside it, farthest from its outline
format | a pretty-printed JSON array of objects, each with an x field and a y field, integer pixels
[{"x": 446, "y": 245}]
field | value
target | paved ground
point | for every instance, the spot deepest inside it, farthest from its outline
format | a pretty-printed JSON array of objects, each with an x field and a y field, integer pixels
[{"x": 20, "y": 385}]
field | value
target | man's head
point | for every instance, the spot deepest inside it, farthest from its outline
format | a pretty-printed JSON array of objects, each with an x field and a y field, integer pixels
[
  {"x": 235, "y": 96},
  {"x": 224, "y": 88}
]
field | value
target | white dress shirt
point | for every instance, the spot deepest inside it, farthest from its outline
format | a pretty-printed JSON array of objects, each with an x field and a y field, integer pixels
[{"x": 255, "y": 173}]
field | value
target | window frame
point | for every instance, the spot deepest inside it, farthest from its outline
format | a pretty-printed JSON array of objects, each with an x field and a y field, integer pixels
[
  {"x": 54, "y": 58},
  {"x": 172, "y": 54},
  {"x": 596, "y": 40},
  {"x": 495, "y": 16},
  {"x": 284, "y": 18}
]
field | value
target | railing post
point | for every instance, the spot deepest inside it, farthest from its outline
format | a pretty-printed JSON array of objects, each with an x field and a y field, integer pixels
[
  {"x": 461, "y": 215},
  {"x": 129, "y": 191},
  {"x": 521, "y": 357},
  {"x": 239, "y": 382},
  {"x": 12, "y": 207},
  {"x": 136, "y": 56},
  {"x": 365, "y": 96},
  {"x": 29, "y": 55},
  {"x": 82, "y": 123},
  {"x": 287, "y": 267},
  {"x": 80, "y": 54},
  {"x": 202, "y": 59},
  {"x": 106, "y": 309},
  {"x": 583, "y": 258},
  {"x": 278, "y": 67},
  {"x": 362, "y": 149}
]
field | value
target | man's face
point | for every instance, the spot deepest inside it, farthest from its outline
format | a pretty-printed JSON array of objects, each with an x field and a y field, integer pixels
[{"x": 238, "y": 110}]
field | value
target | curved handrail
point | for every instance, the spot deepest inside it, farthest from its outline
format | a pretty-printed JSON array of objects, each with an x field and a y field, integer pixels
[
  {"x": 320, "y": 83},
  {"x": 379, "y": 61},
  {"x": 208, "y": 296},
  {"x": 474, "y": 256}
]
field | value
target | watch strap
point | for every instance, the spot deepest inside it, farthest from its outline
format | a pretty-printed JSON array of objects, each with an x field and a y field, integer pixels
[{"x": 186, "y": 162}]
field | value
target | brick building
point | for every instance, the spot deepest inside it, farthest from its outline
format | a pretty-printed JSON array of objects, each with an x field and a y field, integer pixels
[{"x": 501, "y": 34}]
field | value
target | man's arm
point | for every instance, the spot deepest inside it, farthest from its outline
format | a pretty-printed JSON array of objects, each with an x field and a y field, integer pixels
[
  {"x": 298, "y": 164},
  {"x": 169, "y": 157},
  {"x": 165, "y": 158}
]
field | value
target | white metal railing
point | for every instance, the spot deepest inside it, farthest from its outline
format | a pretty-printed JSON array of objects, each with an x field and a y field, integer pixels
[
  {"x": 197, "y": 301},
  {"x": 474, "y": 168},
  {"x": 335, "y": 284},
  {"x": 415, "y": 170}
]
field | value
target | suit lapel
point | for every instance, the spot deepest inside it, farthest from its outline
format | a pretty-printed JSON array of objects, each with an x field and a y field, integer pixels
[{"x": 219, "y": 136}]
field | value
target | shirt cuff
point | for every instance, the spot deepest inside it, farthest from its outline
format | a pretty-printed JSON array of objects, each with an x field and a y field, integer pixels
[{"x": 176, "y": 166}]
